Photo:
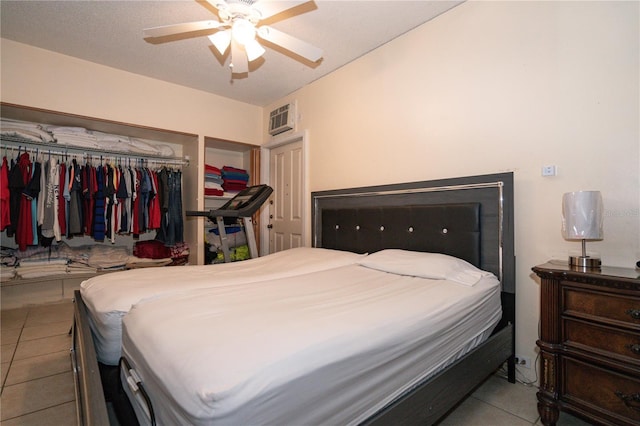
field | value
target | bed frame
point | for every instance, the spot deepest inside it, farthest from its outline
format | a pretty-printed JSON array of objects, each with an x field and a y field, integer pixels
[{"x": 470, "y": 218}]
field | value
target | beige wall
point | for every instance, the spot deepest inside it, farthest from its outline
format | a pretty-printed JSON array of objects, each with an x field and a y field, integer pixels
[{"x": 491, "y": 87}]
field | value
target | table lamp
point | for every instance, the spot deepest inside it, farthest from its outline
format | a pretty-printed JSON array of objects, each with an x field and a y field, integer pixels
[{"x": 582, "y": 217}]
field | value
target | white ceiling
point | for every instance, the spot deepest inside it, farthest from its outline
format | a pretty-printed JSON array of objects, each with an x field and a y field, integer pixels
[{"x": 110, "y": 33}]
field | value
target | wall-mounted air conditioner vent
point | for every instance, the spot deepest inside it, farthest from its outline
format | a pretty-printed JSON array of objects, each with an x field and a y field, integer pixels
[{"x": 282, "y": 119}]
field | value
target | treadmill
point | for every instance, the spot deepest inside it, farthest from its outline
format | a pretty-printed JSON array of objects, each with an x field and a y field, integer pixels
[{"x": 243, "y": 205}]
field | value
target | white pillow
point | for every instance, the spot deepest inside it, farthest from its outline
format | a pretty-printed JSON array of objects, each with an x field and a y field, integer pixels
[{"x": 435, "y": 266}]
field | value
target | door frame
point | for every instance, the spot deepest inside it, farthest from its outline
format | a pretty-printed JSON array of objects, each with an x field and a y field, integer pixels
[{"x": 265, "y": 173}]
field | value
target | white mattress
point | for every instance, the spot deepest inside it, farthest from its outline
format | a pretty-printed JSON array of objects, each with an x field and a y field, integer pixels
[
  {"x": 110, "y": 296},
  {"x": 332, "y": 347}
]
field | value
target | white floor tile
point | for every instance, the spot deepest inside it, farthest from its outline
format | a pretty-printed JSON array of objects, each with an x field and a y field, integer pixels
[
  {"x": 63, "y": 414},
  {"x": 515, "y": 398},
  {"x": 46, "y": 330},
  {"x": 43, "y": 346},
  {"x": 473, "y": 412},
  {"x": 35, "y": 395},
  {"x": 37, "y": 367},
  {"x": 7, "y": 351},
  {"x": 10, "y": 336},
  {"x": 13, "y": 318},
  {"x": 566, "y": 419},
  {"x": 50, "y": 313}
]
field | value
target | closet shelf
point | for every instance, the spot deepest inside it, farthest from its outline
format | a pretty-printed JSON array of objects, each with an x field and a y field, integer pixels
[{"x": 56, "y": 149}]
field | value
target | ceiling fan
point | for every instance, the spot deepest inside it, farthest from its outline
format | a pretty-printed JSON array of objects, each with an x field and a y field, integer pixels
[{"x": 238, "y": 28}]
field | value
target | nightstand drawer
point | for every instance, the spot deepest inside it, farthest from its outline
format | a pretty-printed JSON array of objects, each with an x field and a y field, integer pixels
[
  {"x": 615, "y": 396},
  {"x": 598, "y": 306},
  {"x": 612, "y": 342}
]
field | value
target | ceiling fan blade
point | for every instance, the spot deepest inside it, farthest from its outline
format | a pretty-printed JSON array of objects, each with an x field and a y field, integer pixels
[
  {"x": 188, "y": 27},
  {"x": 217, "y": 3},
  {"x": 269, "y": 8},
  {"x": 290, "y": 43},
  {"x": 239, "y": 61}
]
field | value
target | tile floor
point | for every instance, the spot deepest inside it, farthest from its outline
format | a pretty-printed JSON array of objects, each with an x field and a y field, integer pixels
[{"x": 37, "y": 385}]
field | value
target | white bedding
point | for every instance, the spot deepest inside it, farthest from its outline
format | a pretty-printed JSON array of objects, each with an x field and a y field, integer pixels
[
  {"x": 331, "y": 347},
  {"x": 109, "y": 297}
]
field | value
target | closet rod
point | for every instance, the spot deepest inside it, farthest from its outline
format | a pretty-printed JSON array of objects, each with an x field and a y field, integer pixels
[{"x": 44, "y": 147}]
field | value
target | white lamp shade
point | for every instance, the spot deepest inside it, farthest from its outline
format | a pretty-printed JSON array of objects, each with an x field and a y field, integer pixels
[
  {"x": 582, "y": 215},
  {"x": 243, "y": 31},
  {"x": 254, "y": 50},
  {"x": 221, "y": 40}
]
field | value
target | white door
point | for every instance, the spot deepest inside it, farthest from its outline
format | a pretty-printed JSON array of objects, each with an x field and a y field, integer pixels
[{"x": 286, "y": 207}]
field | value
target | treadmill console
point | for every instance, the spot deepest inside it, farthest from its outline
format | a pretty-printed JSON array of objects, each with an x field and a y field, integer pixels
[
  {"x": 248, "y": 200},
  {"x": 244, "y": 204}
]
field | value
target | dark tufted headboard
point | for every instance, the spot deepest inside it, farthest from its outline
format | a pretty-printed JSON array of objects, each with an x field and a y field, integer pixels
[
  {"x": 452, "y": 229},
  {"x": 469, "y": 217}
]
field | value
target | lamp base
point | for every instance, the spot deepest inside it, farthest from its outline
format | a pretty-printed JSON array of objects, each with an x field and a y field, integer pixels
[{"x": 585, "y": 262}]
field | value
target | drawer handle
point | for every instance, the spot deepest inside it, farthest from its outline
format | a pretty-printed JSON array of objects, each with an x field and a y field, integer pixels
[
  {"x": 631, "y": 401},
  {"x": 634, "y": 348},
  {"x": 634, "y": 313}
]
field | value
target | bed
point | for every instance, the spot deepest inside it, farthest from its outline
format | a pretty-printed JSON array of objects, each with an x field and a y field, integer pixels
[
  {"x": 332, "y": 347},
  {"x": 470, "y": 218}
]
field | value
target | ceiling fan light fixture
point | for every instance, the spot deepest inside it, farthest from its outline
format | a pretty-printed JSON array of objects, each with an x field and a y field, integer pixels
[
  {"x": 243, "y": 31},
  {"x": 254, "y": 50},
  {"x": 221, "y": 41}
]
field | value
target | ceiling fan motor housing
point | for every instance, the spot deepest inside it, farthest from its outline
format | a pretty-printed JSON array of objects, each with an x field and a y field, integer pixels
[{"x": 238, "y": 9}]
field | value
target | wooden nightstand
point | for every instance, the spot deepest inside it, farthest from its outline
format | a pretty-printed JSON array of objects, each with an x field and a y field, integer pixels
[{"x": 589, "y": 344}]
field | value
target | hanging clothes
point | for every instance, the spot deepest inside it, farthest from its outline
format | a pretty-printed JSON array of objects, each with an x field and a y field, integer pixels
[
  {"x": 99, "y": 205},
  {"x": 154, "y": 203},
  {"x": 134, "y": 197},
  {"x": 124, "y": 199},
  {"x": 16, "y": 185},
  {"x": 110, "y": 202},
  {"x": 75, "y": 200},
  {"x": 177, "y": 206},
  {"x": 171, "y": 226},
  {"x": 42, "y": 201},
  {"x": 34, "y": 188},
  {"x": 145, "y": 191},
  {"x": 136, "y": 207},
  {"x": 38, "y": 207},
  {"x": 50, "y": 227},
  {"x": 24, "y": 229},
  {"x": 117, "y": 203},
  {"x": 5, "y": 196},
  {"x": 62, "y": 202},
  {"x": 163, "y": 194},
  {"x": 66, "y": 194},
  {"x": 88, "y": 189}
]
